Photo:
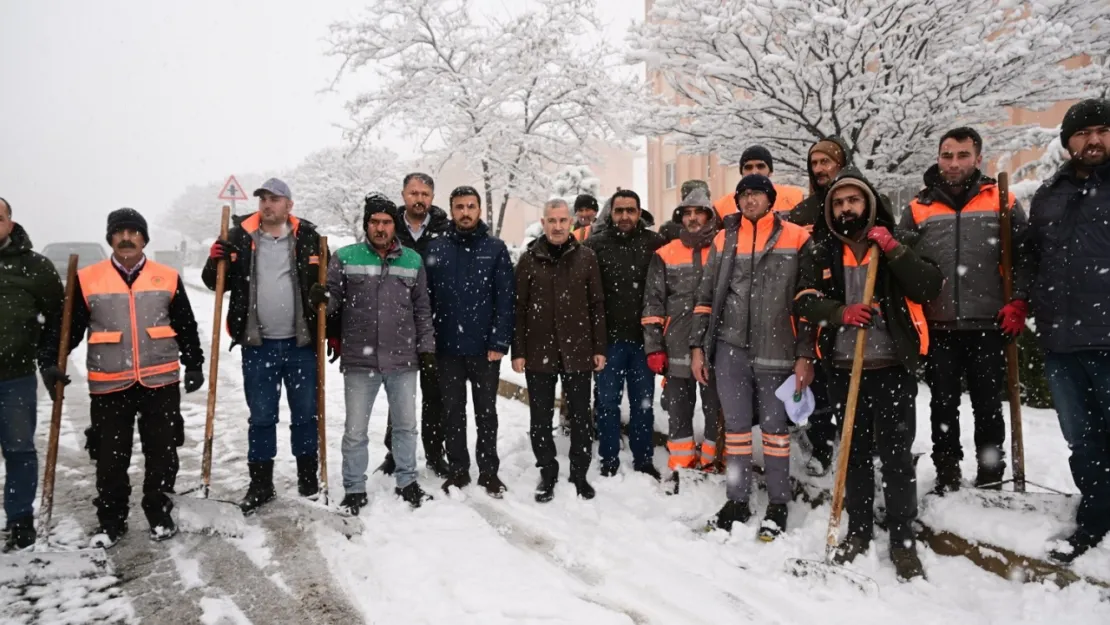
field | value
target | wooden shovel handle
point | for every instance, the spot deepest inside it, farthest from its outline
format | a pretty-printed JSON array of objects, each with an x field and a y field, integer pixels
[
  {"x": 214, "y": 363},
  {"x": 1013, "y": 371},
  {"x": 321, "y": 369},
  {"x": 59, "y": 398}
]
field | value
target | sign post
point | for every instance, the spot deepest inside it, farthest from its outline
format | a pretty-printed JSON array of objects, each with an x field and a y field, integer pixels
[{"x": 232, "y": 191}]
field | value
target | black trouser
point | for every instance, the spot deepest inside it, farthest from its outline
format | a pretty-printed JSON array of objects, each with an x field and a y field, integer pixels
[
  {"x": 431, "y": 416},
  {"x": 824, "y": 423},
  {"x": 483, "y": 375},
  {"x": 541, "y": 403},
  {"x": 884, "y": 418},
  {"x": 979, "y": 357},
  {"x": 113, "y": 416}
]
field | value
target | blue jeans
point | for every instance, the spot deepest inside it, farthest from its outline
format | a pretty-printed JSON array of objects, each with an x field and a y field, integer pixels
[
  {"x": 360, "y": 389},
  {"x": 17, "y": 439},
  {"x": 625, "y": 362},
  {"x": 1080, "y": 384},
  {"x": 265, "y": 368}
]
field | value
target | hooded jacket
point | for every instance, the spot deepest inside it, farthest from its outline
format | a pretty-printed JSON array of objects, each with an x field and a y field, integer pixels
[
  {"x": 31, "y": 296},
  {"x": 905, "y": 281},
  {"x": 624, "y": 259},
  {"x": 470, "y": 278},
  {"x": 962, "y": 235},
  {"x": 560, "y": 308},
  {"x": 384, "y": 311},
  {"x": 437, "y": 225},
  {"x": 1069, "y": 250},
  {"x": 811, "y": 211}
]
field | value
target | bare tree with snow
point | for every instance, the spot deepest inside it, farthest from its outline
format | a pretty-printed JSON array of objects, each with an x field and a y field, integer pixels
[
  {"x": 889, "y": 76},
  {"x": 574, "y": 180},
  {"x": 515, "y": 96},
  {"x": 329, "y": 185}
]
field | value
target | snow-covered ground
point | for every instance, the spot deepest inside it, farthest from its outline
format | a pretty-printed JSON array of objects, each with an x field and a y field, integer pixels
[{"x": 631, "y": 555}]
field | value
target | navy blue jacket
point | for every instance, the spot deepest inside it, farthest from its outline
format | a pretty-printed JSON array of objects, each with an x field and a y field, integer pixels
[
  {"x": 470, "y": 276},
  {"x": 1069, "y": 241}
]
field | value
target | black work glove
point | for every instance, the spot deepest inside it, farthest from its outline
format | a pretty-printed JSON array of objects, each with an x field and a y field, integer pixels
[
  {"x": 193, "y": 380},
  {"x": 428, "y": 361},
  {"x": 50, "y": 377},
  {"x": 318, "y": 294}
]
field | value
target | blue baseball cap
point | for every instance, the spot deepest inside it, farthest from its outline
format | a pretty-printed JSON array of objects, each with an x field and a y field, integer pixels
[{"x": 276, "y": 187}]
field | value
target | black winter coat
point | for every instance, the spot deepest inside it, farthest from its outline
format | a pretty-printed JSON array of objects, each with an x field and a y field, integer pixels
[
  {"x": 31, "y": 298},
  {"x": 624, "y": 260},
  {"x": 437, "y": 225}
]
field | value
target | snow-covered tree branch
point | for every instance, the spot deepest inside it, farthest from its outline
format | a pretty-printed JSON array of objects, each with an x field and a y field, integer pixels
[
  {"x": 515, "y": 96},
  {"x": 889, "y": 76},
  {"x": 574, "y": 180}
]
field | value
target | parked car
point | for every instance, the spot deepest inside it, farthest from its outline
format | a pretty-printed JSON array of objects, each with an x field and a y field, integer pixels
[{"x": 88, "y": 253}]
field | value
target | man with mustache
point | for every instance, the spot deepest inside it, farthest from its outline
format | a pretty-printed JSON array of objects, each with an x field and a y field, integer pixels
[
  {"x": 956, "y": 217},
  {"x": 668, "y": 318},
  {"x": 470, "y": 275},
  {"x": 31, "y": 298},
  {"x": 1069, "y": 241},
  {"x": 273, "y": 259},
  {"x": 559, "y": 333},
  {"x": 378, "y": 289},
  {"x": 624, "y": 250},
  {"x": 141, "y": 331},
  {"x": 833, "y": 280},
  {"x": 423, "y": 223}
]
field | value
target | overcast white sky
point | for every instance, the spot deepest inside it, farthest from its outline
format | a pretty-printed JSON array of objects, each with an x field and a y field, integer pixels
[{"x": 111, "y": 103}]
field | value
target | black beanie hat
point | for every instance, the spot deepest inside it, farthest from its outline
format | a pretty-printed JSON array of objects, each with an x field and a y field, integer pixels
[
  {"x": 585, "y": 201},
  {"x": 126, "y": 218},
  {"x": 758, "y": 153},
  {"x": 1084, "y": 115},
  {"x": 378, "y": 203},
  {"x": 756, "y": 182}
]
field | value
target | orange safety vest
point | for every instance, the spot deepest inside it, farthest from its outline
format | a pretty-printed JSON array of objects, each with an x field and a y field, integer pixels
[
  {"x": 583, "y": 233},
  {"x": 130, "y": 338},
  {"x": 917, "y": 313},
  {"x": 786, "y": 198}
]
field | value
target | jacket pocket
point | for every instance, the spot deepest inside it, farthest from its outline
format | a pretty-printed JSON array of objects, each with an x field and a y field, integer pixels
[
  {"x": 160, "y": 332},
  {"x": 97, "y": 338}
]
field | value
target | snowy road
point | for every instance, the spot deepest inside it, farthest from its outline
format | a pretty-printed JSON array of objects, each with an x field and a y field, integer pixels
[{"x": 628, "y": 556}]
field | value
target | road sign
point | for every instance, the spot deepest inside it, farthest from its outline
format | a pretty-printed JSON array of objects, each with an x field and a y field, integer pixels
[{"x": 232, "y": 190}]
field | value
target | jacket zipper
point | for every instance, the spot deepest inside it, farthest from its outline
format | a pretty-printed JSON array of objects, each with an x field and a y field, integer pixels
[
  {"x": 751, "y": 285},
  {"x": 956, "y": 282}
]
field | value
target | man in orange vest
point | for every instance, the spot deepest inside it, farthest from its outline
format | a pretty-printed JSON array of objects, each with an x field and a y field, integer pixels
[
  {"x": 141, "y": 330},
  {"x": 757, "y": 160},
  {"x": 956, "y": 217}
]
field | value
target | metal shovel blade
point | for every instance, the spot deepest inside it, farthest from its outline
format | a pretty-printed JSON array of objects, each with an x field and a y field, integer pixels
[
  {"x": 832, "y": 575},
  {"x": 38, "y": 566},
  {"x": 208, "y": 516}
]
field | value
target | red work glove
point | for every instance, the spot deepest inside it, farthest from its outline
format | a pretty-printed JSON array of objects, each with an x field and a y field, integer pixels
[
  {"x": 858, "y": 315},
  {"x": 882, "y": 237},
  {"x": 657, "y": 362},
  {"x": 1012, "y": 317},
  {"x": 221, "y": 250},
  {"x": 335, "y": 350}
]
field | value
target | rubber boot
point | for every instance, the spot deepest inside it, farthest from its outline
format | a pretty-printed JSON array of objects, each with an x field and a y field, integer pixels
[
  {"x": 261, "y": 489},
  {"x": 308, "y": 482}
]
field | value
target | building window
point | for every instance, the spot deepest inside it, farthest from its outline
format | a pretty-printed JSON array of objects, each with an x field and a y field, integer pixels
[{"x": 669, "y": 176}]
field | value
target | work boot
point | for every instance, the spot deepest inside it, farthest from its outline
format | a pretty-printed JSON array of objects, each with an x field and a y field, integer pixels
[
  {"x": 545, "y": 490},
  {"x": 732, "y": 512},
  {"x": 162, "y": 526},
  {"x": 413, "y": 494},
  {"x": 850, "y": 548},
  {"x": 609, "y": 470},
  {"x": 308, "y": 483},
  {"x": 494, "y": 486},
  {"x": 437, "y": 466},
  {"x": 107, "y": 535},
  {"x": 21, "y": 534},
  {"x": 388, "y": 466},
  {"x": 820, "y": 461},
  {"x": 907, "y": 565},
  {"x": 353, "y": 502},
  {"x": 261, "y": 489},
  {"x": 585, "y": 491},
  {"x": 774, "y": 523},
  {"x": 649, "y": 469},
  {"x": 672, "y": 483},
  {"x": 948, "y": 477},
  {"x": 990, "y": 477},
  {"x": 459, "y": 481},
  {"x": 1079, "y": 543}
]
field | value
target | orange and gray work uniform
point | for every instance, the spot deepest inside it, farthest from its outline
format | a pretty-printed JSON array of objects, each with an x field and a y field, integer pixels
[
  {"x": 141, "y": 330},
  {"x": 581, "y": 234},
  {"x": 742, "y": 319},
  {"x": 672, "y": 283},
  {"x": 786, "y": 198}
]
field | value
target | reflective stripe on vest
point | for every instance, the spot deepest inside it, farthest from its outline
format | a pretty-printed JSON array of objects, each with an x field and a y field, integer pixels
[{"x": 130, "y": 338}]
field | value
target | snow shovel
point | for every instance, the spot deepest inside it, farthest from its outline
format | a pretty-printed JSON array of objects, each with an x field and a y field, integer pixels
[
  {"x": 43, "y": 562},
  {"x": 195, "y": 511},
  {"x": 321, "y": 371},
  {"x": 827, "y": 569},
  {"x": 992, "y": 495}
]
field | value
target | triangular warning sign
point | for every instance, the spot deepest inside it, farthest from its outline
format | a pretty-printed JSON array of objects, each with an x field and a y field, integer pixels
[{"x": 232, "y": 190}]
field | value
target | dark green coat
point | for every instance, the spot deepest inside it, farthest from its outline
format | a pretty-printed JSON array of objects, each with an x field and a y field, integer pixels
[{"x": 31, "y": 297}]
